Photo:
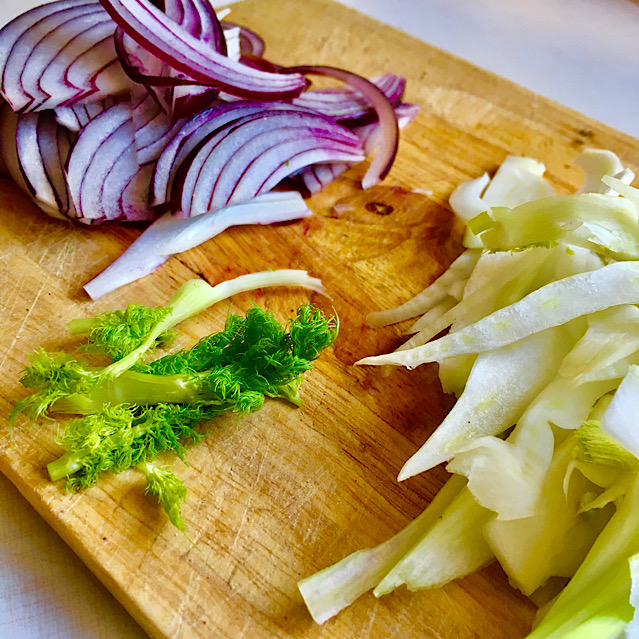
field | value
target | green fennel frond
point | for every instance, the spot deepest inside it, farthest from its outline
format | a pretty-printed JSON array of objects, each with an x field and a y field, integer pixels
[
  {"x": 124, "y": 436},
  {"x": 118, "y": 333},
  {"x": 163, "y": 484},
  {"x": 311, "y": 332},
  {"x": 134, "y": 411},
  {"x": 52, "y": 376}
]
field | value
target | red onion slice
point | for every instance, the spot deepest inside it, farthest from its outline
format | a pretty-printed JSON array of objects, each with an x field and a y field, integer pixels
[
  {"x": 115, "y": 158},
  {"x": 369, "y": 133},
  {"x": 389, "y": 130},
  {"x": 315, "y": 178},
  {"x": 42, "y": 147},
  {"x": 74, "y": 118},
  {"x": 173, "y": 44},
  {"x": 154, "y": 128},
  {"x": 184, "y": 96},
  {"x": 250, "y": 42},
  {"x": 96, "y": 152},
  {"x": 96, "y": 70},
  {"x": 206, "y": 183},
  {"x": 277, "y": 163},
  {"x": 12, "y": 31},
  {"x": 53, "y": 58},
  {"x": 54, "y": 144},
  {"x": 134, "y": 198},
  {"x": 31, "y": 162},
  {"x": 143, "y": 67},
  {"x": 199, "y": 18},
  {"x": 348, "y": 104},
  {"x": 140, "y": 258},
  {"x": 210, "y": 28},
  {"x": 32, "y": 51},
  {"x": 34, "y": 149},
  {"x": 195, "y": 131},
  {"x": 150, "y": 250},
  {"x": 125, "y": 191},
  {"x": 232, "y": 36},
  {"x": 8, "y": 147},
  {"x": 268, "y": 208},
  {"x": 59, "y": 57}
]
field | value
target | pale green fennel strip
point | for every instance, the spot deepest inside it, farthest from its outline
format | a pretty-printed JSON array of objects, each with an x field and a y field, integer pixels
[
  {"x": 460, "y": 269},
  {"x": 334, "y": 588},
  {"x": 502, "y": 383},
  {"x": 523, "y": 267},
  {"x": 434, "y": 561},
  {"x": 551, "y": 305}
]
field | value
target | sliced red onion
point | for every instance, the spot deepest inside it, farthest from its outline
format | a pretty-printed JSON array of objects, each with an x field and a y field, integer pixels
[
  {"x": 125, "y": 191},
  {"x": 34, "y": 149},
  {"x": 268, "y": 208},
  {"x": 143, "y": 67},
  {"x": 61, "y": 76},
  {"x": 59, "y": 55},
  {"x": 96, "y": 70},
  {"x": 54, "y": 144},
  {"x": 370, "y": 134},
  {"x": 31, "y": 162},
  {"x": 233, "y": 38},
  {"x": 154, "y": 128},
  {"x": 349, "y": 104},
  {"x": 111, "y": 166},
  {"x": 14, "y": 29},
  {"x": 194, "y": 132},
  {"x": 8, "y": 147},
  {"x": 183, "y": 13},
  {"x": 174, "y": 92},
  {"x": 74, "y": 118},
  {"x": 97, "y": 151},
  {"x": 252, "y": 155},
  {"x": 191, "y": 100},
  {"x": 32, "y": 50},
  {"x": 389, "y": 130},
  {"x": 140, "y": 259},
  {"x": 151, "y": 249},
  {"x": 134, "y": 199},
  {"x": 199, "y": 18},
  {"x": 250, "y": 42},
  {"x": 173, "y": 44},
  {"x": 272, "y": 168},
  {"x": 210, "y": 29},
  {"x": 316, "y": 177}
]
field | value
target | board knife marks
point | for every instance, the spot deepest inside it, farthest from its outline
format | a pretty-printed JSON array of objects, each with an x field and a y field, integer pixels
[
  {"x": 23, "y": 322},
  {"x": 246, "y": 510}
]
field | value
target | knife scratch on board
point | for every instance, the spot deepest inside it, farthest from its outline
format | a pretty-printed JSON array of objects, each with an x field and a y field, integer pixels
[
  {"x": 246, "y": 510},
  {"x": 187, "y": 597},
  {"x": 23, "y": 322}
]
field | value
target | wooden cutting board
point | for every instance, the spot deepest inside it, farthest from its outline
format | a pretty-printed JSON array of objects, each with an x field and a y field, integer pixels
[{"x": 283, "y": 493}]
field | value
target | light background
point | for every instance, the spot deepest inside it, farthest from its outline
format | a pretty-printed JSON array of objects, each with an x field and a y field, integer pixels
[{"x": 581, "y": 53}]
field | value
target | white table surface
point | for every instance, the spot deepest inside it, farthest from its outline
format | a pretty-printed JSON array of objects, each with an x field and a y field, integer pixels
[{"x": 581, "y": 53}]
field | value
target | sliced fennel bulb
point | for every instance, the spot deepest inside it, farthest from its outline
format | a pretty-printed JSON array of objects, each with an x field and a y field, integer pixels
[{"x": 543, "y": 338}]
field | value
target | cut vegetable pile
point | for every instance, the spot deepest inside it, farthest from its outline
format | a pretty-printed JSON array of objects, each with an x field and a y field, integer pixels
[
  {"x": 117, "y": 110},
  {"x": 133, "y": 409},
  {"x": 542, "y": 352}
]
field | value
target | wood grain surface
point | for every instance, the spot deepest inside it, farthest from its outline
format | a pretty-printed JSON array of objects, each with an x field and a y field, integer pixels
[{"x": 285, "y": 492}]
